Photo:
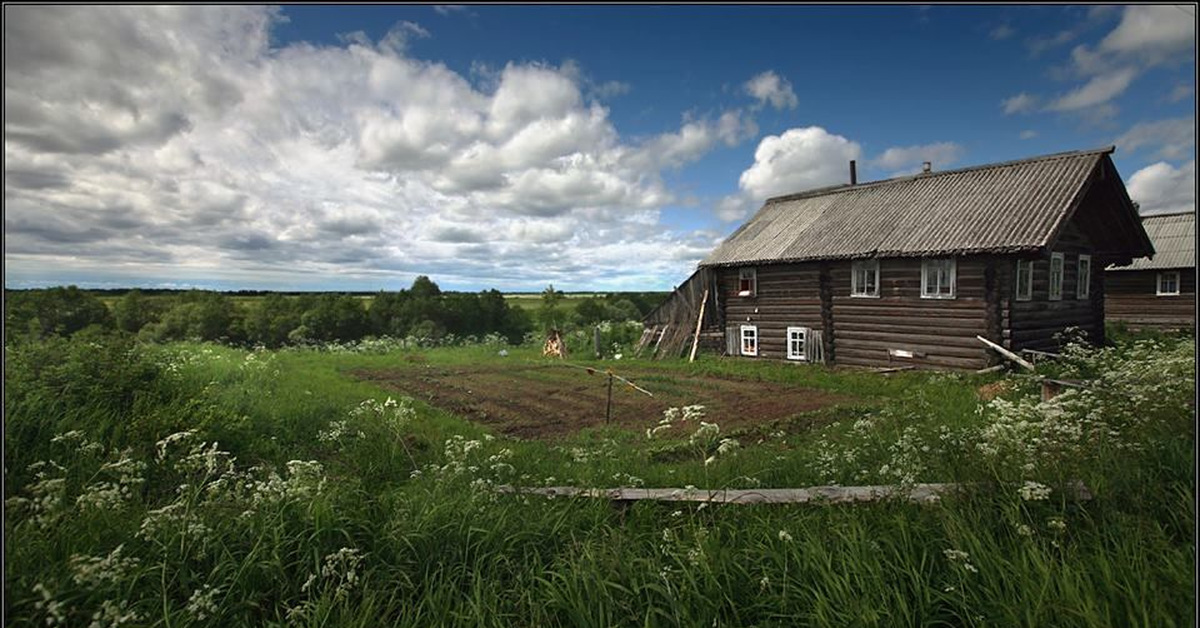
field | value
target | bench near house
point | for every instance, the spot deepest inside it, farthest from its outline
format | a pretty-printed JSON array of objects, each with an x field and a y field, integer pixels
[{"x": 908, "y": 271}]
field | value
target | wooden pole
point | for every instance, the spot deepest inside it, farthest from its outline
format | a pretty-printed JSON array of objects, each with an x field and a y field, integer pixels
[
  {"x": 699, "y": 323},
  {"x": 608, "y": 406},
  {"x": 1006, "y": 353}
]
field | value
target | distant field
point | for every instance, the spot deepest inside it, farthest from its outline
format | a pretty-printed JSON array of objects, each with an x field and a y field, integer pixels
[{"x": 523, "y": 300}]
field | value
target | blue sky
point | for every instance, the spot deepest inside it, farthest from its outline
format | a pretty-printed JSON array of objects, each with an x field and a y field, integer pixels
[{"x": 592, "y": 147}]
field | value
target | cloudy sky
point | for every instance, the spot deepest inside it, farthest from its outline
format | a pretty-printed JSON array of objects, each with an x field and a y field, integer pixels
[{"x": 595, "y": 148}]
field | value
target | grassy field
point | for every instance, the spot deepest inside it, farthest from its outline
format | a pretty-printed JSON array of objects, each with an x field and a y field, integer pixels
[
  {"x": 186, "y": 485},
  {"x": 526, "y": 301}
]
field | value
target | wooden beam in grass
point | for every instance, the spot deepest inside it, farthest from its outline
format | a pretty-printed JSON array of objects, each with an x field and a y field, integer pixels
[{"x": 919, "y": 493}]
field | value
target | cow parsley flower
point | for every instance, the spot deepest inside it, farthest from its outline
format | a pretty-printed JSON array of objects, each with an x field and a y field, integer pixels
[{"x": 1033, "y": 491}]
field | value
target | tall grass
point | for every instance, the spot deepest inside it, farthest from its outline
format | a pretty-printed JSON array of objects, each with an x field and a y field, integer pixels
[{"x": 193, "y": 485}]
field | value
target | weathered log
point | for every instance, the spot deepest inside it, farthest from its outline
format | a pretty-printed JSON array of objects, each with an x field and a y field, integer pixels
[
  {"x": 919, "y": 493},
  {"x": 1006, "y": 353}
]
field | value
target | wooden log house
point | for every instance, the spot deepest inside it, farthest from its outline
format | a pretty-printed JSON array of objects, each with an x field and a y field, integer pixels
[
  {"x": 1157, "y": 293},
  {"x": 908, "y": 271}
]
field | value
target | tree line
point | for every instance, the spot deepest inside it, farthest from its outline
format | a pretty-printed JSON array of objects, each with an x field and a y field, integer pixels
[{"x": 274, "y": 320}]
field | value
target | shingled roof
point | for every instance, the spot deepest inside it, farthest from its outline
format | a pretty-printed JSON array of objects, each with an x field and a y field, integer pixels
[
  {"x": 1011, "y": 207},
  {"x": 1174, "y": 238}
]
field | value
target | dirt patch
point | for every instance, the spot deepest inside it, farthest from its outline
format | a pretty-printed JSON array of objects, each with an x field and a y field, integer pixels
[
  {"x": 548, "y": 401},
  {"x": 988, "y": 392}
]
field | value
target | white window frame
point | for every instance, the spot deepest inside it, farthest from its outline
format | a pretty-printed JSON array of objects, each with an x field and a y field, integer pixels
[
  {"x": 1026, "y": 266},
  {"x": 925, "y": 288},
  {"x": 743, "y": 275},
  {"x": 1056, "y": 295},
  {"x": 1083, "y": 277},
  {"x": 792, "y": 334},
  {"x": 743, "y": 337},
  {"x": 1159, "y": 284},
  {"x": 857, "y": 289}
]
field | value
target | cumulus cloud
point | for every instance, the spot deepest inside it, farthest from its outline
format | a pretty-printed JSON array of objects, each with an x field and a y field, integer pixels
[
  {"x": 909, "y": 159},
  {"x": 1097, "y": 91},
  {"x": 176, "y": 142},
  {"x": 1173, "y": 138},
  {"x": 1154, "y": 32},
  {"x": 797, "y": 160},
  {"x": 1146, "y": 36},
  {"x": 770, "y": 88},
  {"x": 1162, "y": 188},
  {"x": 1021, "y": 103}
]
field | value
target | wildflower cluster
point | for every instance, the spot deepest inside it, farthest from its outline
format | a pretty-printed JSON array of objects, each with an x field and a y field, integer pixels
[
  {"x": 960, "y": 558},
  {"x": 96, "y": 571}
]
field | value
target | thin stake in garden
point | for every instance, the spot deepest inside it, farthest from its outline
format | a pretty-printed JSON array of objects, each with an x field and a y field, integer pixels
[{"x": 611, "y": 376}]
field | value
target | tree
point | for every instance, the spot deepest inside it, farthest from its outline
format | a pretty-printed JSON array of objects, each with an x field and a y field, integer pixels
[
  {"x": 336, "y": 318},
  {"x": 386, "y": 316},
  {"x": 272, "y": 320},
  {"x": 135, "y": 310},
  {"x": 423, "y": 288},
  {"x": 55, "y": 311},
  {"x": 549, "y": 313}
]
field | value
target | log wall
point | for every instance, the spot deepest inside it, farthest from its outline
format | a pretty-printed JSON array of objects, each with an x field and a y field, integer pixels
[
  {"x": 1035, "y": 324},
  {"x": 860, "y": 330},
  {"x": 939, "y": 332},
  {"x": 1130, "y": 298},
  {"x": 788, "y": 295}
]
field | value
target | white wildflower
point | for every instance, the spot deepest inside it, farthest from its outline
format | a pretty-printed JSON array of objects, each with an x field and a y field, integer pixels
[
  {"x": 56, "y": 614},
  {"x": 95, "y": 571},
  {"x": 112, "y": 615},
  {"x": 1058, "y": 524},
  {"x": 203, "y": 604},
  {"x": 1033, "y": 491},
  {"x": 785, "y": 536}
]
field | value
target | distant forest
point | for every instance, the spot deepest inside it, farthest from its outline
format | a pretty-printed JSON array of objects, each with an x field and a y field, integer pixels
[{"x": 276, "y": 319}]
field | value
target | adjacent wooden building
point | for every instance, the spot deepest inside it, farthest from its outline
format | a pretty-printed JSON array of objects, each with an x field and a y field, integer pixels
[
  {"x": 908, "y": 271},
  {"x": 1157, "y": 293}
]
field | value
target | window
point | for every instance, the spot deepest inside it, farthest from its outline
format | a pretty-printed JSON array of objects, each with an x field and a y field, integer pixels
[
  {"x": 797, "y": 338},
  {"x": 937, "y": 278},
  {"x": 747, "y": 282},
  {"x": 864, "y": 278},
  {"x": 1056, "y": 276},
  {"x": 1168, "y": 283},
  {"x": 1084, "y": 278},
  {"x": 1024, "y": 280},
  {"x": 749, "y": 340}
]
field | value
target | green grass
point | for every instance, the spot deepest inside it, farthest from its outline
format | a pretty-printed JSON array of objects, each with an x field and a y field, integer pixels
[{"x": 433, "y": 545}]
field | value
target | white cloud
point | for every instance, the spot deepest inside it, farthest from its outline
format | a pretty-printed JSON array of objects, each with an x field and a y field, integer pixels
[
  {"x": 797, "y": 160},
  {"x": 1021, "y": 103},
  {"x": 1038, "y": 45},
  {"x": 1145, "y": 37},
  {"x": 1002, "y": 32},
  {"x": 910, "y": 158},
  {"x": 1097, "y": 91},
  {"x": 191, "y": 148},
  {"x": 1161, "y": 188},
  {"x": 769, "y": 87},
  {"x": 1181, "y": 91},
  {"x": 1028, "y": 134},
  {"x": 1153, "y": 31},
  {"x": 1173, "y": 138}
]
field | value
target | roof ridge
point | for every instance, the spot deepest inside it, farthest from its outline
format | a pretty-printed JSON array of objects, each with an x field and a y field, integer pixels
[
  {"x": 929, "y": 175},
  {"x": 1168, "y": 214}
]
